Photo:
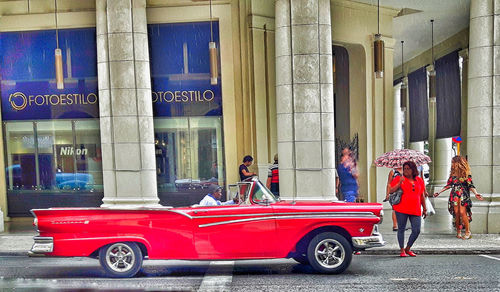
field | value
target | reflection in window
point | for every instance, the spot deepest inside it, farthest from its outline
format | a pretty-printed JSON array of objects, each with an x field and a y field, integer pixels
[
  {"x": 88, "y": 154},
  {"x": 262, "y": 194},
  {"x": 189, "y": 153},
  {"x": 21, "y": 164},
  {"x": 56, "y": 156}
]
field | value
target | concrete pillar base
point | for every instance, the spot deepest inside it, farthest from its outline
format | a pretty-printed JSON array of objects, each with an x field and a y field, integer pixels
[
  {"x": 130, "y": 202},
  {"x": 441, "y": 222},
  {"x": 493, "y": 214},
  {"x": 480, "y": 218},
  {"x": 2, "y": 228},
  {"x": 436, "y": 186}
]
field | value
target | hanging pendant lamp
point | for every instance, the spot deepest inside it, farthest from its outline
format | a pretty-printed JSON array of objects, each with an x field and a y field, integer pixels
[
  {"x": 58, "y": 56},
  {"x": 334, "y": 69},
  {"x": 431, "y": 69},
  {"x": 378, "y": 48},
  {"x": 404, "y": 87},
  {"x": 212, "y": 49}
]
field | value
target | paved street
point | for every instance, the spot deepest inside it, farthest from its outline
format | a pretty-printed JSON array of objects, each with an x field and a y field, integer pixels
[{"x": 367, "y": 273}]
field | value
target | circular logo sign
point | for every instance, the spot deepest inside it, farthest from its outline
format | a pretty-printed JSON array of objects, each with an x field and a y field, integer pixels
[{"x": 18, "y": 101}]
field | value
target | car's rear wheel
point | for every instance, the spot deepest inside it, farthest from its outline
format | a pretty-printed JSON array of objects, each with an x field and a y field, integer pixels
[
  {"x": 121, "y": 260},
  {"x": 329, "y": 252}
]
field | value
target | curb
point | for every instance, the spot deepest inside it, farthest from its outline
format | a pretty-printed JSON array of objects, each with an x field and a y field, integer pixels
[
  {"x": 433, "y": 251},
  {"x": 16, "y": 253}
]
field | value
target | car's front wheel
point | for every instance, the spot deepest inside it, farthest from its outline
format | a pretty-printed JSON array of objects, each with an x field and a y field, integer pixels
[
  {"x": 329, "y": 252},
  {"x": 121, "y": 260}
]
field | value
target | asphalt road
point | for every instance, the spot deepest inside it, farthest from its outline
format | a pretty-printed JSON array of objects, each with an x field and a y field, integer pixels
[{"x": 366, "y": 273}]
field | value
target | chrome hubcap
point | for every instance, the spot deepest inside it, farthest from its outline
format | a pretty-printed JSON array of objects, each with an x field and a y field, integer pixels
[
  {"x": 329, "y": 253},
  {"x": 120, "y": 257}
]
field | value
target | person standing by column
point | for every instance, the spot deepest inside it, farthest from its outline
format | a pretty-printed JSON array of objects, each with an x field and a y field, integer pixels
[
  {"x": 459, "y": 203},
  {"x": 273, "y": 178},
  {"x": 394, "y": 173},
  {"x": 348, "y": 175},
  {"x": 244, "y": 173}
]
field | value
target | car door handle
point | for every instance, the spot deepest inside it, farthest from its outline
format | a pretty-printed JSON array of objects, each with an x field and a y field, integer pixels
[{"x": 200, "y": 211}]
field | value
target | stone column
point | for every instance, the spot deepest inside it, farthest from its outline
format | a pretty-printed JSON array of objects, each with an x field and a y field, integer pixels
[
  {"x": 483, "y": 129},
  {"x": 397, "y": 124},
  {"x": 125, "y": 103},
  {"x": 304, "y": 97},
  {"x": 419, "y": 146}
]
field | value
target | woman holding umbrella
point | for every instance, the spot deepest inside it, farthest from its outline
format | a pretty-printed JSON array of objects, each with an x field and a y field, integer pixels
[
  {"x": 459, "y": 203},
  {"x": 394, "y": 159},
  {"x": 412, "y": 199}
]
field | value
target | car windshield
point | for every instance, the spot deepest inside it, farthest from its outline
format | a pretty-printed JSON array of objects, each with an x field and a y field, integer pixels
[{"x": 262, "y": 195}]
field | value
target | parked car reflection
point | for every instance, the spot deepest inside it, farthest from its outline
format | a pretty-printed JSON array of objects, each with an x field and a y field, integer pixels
[{"x": 61, "y": 180}]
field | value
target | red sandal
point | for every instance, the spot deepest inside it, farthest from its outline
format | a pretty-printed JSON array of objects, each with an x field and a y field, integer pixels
[
  {"x": 403, "y": 254},
  {"x": 412, "y": 254}
]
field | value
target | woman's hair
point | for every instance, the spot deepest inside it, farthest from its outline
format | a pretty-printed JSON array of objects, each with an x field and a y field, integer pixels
[
  {"x": 413, "y": 167},
  {"x": 459, "y": 167}
]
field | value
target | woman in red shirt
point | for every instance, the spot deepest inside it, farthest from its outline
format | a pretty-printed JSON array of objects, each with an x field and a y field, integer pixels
[{"x": 409, "y": 208}]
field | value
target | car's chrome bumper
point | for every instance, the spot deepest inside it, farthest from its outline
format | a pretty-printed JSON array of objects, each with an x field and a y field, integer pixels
[
  {"x": 42, "y": 245},
  {"x": 374, "y": 240}
]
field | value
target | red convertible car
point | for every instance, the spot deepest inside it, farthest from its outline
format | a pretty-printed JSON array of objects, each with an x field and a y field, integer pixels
[{"x": 323, "y": 235}]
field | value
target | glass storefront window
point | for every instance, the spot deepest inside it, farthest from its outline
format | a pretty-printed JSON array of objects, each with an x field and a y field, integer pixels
[
  {"x": 53, "y": 156},
  {"x": 51, "y": 135},
  {"x": 189, "y": 153},
  {"x": 21, "y": 164},
  {"x": 88, "y": 153},
  {"x": 50, "y": 162},
  {"x": 187, "y": 110}
]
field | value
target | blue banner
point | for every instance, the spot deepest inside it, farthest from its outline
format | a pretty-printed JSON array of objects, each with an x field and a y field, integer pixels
[
  {"x": 28, "y": 87},
  {"x": 180, "y": 70}
]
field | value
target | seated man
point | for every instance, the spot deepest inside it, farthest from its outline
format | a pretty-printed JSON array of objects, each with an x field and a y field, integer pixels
[{"x": 213, "y": 198}]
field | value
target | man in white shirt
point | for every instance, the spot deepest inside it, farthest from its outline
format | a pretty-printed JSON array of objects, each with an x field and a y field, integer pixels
[{"x": 213, "y": 198}]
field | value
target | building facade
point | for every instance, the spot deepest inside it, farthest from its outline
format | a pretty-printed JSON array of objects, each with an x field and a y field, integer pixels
[{"x": 139, "y": 122}]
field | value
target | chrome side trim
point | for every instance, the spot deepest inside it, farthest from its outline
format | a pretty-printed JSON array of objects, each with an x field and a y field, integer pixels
[
  {"x": 265, "y": 214},
  {"x": 180, "y": 213},
  {"x": 320, "y": 216},
  {"x": 42, "y": 245}
]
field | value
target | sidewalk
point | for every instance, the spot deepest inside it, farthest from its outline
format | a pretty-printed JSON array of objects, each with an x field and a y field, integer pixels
[{"x": 18, "y": 239}]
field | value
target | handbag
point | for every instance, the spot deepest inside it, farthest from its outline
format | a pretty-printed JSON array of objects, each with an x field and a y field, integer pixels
[{"x": 395, "y": 198}]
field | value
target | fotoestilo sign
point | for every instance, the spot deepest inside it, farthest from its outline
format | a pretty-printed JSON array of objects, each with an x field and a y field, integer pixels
[
  {"x": 28, "y": 87},
  {"x": 180, "y": 70}
]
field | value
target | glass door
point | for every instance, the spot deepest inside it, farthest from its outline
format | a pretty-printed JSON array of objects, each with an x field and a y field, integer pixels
[{"x": 189, "y": 153}]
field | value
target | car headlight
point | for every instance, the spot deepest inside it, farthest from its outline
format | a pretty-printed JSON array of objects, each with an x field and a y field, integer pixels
[{"x": 381, "y": 216}]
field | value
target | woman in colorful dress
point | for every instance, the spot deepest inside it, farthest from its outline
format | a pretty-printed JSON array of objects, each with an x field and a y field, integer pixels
[
  {"x": 410, "y": 207},
  {"x": 459, "y": 203}
]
